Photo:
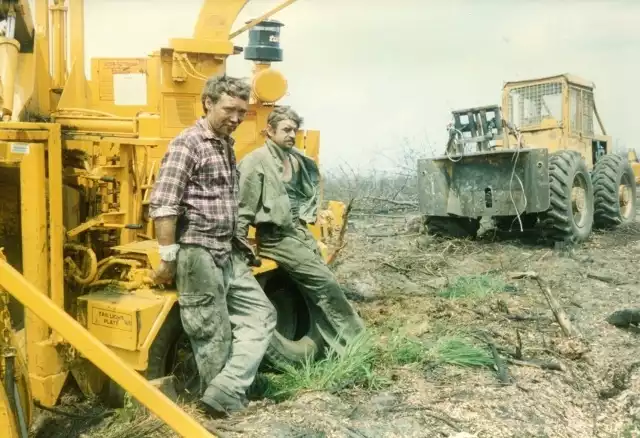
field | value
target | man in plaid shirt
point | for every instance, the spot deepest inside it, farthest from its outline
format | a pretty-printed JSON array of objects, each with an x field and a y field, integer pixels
[{"x": 195, "y": 208}]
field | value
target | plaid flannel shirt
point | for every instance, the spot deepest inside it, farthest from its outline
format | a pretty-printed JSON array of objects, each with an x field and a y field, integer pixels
[{"x": 198, "y": 183}]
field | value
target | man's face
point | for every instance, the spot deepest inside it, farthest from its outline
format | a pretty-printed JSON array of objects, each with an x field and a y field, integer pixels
[
  {"x": 285, "y": 133},
  {"x": 226, "y": 114}
]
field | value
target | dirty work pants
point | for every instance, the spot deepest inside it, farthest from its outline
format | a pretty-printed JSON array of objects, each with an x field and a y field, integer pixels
[
  {"x": 227, "y": 317},
  {"x": 297, "y": 253}
]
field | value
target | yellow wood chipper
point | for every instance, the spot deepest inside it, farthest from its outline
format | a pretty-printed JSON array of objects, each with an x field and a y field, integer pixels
[{"x": 78, "y": 159}]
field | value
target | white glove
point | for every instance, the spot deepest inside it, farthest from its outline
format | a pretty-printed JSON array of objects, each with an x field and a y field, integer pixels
[{"x": 168, "y": 253}]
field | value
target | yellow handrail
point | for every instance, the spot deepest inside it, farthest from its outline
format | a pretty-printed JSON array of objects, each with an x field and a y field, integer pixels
[{"x": 99, "y": 354}]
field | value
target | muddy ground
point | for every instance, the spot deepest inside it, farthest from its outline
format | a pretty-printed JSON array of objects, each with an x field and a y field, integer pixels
[{"x": 396, "y": 278}]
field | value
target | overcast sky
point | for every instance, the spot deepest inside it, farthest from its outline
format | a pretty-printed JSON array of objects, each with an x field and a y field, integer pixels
[{"x": 370, "y": 73}]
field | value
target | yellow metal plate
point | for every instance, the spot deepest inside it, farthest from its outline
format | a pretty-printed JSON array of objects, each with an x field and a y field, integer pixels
[{"x": 121, "y": 320}]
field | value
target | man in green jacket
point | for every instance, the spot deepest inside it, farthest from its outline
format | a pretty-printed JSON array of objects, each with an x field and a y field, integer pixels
[{"x": 279, "y": 195}]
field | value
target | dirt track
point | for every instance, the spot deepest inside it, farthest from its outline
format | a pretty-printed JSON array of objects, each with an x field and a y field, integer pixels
[{"x": 396, "y": 280}]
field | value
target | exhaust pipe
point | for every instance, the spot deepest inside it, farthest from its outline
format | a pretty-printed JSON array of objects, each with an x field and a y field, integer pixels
[{"x": 9, "y": 49}]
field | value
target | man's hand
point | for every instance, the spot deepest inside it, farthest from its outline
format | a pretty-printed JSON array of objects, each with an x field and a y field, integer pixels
[
  {"x": 165, "y": 272},
  {"x": 246, "y": 249},
  {"x": 166, "y": 233}
]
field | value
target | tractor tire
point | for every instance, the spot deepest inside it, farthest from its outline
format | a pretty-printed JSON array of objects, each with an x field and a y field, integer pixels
[
  {"x": 296, "y": 338},
  {"x": 168, "y": 344},
  {"x": 510, "y": 223},
  {"x": 452, "y": 226},
  {"x": 614, "y": 186},
  {"x": 569, "y": 218}
]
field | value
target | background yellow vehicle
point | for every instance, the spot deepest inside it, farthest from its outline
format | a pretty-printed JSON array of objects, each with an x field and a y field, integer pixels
[
  {"x": 558, "y": 174},
  {"x": 635, "y": 163},
  {"x": 76, "y": 169}
]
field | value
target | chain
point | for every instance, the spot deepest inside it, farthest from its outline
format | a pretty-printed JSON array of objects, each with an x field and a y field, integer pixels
[
  {"x": 5, "y": 317},
  {"x": 69, "y": 355}
]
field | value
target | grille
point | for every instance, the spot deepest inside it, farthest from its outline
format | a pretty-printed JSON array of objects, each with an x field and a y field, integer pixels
[
  {"x": 581, "y": 109},
  {"x": 529, "y": 105}
]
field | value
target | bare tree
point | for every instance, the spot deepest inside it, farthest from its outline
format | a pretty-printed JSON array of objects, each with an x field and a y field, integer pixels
[{"x": 377, "y": 189}]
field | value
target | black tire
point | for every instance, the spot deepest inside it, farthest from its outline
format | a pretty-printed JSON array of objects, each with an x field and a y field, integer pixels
[
  {"x": 510, "y": 223},
  {"x": 568, "y": 220},
  {"x": 170, "y": 342},
  {"x": 614, "y": 186},
  {"x": 452, "y": 226},
  {"x": 296, "y": 338}
]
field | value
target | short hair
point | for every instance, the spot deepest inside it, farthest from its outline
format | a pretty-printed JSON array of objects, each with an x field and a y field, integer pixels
[
  {"x": 216, "y": 86},
  {"x": 281, "y": 113}
]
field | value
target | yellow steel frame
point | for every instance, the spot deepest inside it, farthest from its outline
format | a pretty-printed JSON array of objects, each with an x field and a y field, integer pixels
[
  {"x": 40, "y": 288},
  {"x": 10, "y": 350},
  {"x": 42, "y": 244},
  {"x": 52, "y": 315}
]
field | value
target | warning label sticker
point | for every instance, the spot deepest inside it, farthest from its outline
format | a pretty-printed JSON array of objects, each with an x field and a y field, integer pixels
[
  {"x": 111, "y": 319},
  {"x": 20, "y": 148}
]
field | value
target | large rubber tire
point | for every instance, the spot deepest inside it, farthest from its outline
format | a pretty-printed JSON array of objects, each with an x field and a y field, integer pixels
[
  {"x": 452, "y": 226},
  {"x": 171, "y": 353},
  {"x": 297, "y": 337},
  {"x": 568, "y": 219},
  {"x": 614, "y": 186},
  {"x": 169, "y": 342}
]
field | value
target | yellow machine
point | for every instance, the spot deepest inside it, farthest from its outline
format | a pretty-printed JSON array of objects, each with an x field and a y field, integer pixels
[
  {"x": 558, "y": 176},
  {"x": 634, "y": 161},
  {"x": 77, "y": 162}
]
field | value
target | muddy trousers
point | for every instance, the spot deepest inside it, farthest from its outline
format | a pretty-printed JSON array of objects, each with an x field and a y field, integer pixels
[
  {"x": 298, "y": 254},
  {"x": 228, "y": 319}
]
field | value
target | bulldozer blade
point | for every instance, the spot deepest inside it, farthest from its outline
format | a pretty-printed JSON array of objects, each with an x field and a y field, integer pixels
[{"x": 495, "y": 183}]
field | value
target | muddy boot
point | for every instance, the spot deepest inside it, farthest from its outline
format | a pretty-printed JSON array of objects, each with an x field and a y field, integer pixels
[{"x": 217, "y": 403}]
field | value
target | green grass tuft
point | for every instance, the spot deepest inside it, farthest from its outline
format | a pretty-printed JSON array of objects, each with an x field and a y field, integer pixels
[
  {"x": 460, "y": 352},
  {"x": 367, "y": 362},
  {"x": 403, "y": 350},
  {"x": 355, "y": 367},
  {"x": 476, "y": 286}
]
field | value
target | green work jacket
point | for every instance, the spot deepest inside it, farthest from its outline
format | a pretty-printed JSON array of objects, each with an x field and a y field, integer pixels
[{"x": 263, "y": 197}]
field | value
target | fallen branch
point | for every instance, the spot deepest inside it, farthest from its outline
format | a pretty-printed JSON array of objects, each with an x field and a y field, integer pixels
[
  {"x": 558, "y": 312},
  {"x": 390, "y": 234},
  {"x": 428, "y": 412},
  {"x": 537, "y": 364},
  {"x": 516, "y": 317},
  {"x": 605, "y": 278},
  {"x": 397, "y": 268},
  {"x": 393, "y": 201},
  {"x": 406, "y": 271},
  {"x": 354, "y": 433},
  {"x": 501, "y": 368},
  {"x": 518, "y": 354}
]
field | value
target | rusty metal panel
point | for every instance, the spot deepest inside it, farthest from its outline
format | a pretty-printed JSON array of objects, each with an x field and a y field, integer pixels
[
  {"x": 496, "y": 183},
  {"x": 433, "y": 186},
  {"x": 537, "y": 181}
]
